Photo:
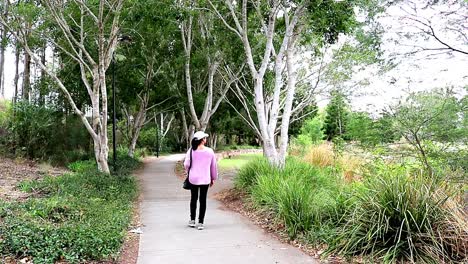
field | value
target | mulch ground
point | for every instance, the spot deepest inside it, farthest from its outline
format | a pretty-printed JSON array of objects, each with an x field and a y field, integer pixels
[{"x": 14, "y": 171}]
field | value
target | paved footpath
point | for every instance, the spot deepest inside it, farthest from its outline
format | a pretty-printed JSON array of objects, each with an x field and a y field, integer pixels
[{"x": 228, "y": 237}]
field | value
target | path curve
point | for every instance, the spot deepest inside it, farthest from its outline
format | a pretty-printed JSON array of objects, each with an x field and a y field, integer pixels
[{"x": 228, "y": 237}]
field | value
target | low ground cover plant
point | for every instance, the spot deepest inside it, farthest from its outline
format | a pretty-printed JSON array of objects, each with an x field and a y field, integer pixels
[{"x": 80, "y": 216}]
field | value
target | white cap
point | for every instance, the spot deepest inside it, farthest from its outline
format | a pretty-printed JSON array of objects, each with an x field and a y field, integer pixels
[{"x": 199, "y": 135}]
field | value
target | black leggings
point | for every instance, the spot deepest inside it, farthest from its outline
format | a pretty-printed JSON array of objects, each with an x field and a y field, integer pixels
[{"x": 193, "y": 202}]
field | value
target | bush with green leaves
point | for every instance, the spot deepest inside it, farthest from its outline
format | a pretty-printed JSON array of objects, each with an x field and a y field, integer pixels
[
  {"x": 40, "y": 132},
  {"x": 311, "y": 132},
  {"x": 5, "y": 115},
  {"x": 78, "y": 217}
]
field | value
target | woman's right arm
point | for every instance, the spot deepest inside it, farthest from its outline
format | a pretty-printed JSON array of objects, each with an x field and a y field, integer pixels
[{"x": 187, "y": 161}]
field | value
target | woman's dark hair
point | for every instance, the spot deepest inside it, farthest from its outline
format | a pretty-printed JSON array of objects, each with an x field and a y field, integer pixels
[{"x": 196, "y": 143}]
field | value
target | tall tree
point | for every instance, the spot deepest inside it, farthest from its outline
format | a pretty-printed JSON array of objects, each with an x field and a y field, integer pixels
[
  {"x": 146, "y": 63},
  {"x": 430, "y": 116},
  {"x": 26, "y": 88},
  {"x": 271, "y": 33},
  {"x": 16, "y": 78},
  {"x": 3, "y": 43},
  {"x": 87, "y": 33},
  {"x": 203, "y": 48},
  {"x": 336, "y": 115}
]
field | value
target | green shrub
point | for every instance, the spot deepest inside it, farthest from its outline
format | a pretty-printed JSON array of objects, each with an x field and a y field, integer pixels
[
  {"x": 45, "y": 133},
  {"x": 302, "y": 196},
  {"x": 125, "y": 164},
  {"x": 81, "y": 216},
  {"x": 311, "y": 132},
  {"x": 399, "y": 217},
  {"x": 247, "y": 176},
  {"x": 82, "y": 166}
]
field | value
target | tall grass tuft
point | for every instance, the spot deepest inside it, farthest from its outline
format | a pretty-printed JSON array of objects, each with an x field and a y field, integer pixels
[
  {"x": 247, "y": 176},
  {"x": 320, "y": 155},
  {"x": 351, "y": 166},
  {"x": 302, "y": 196},
  {"x": 400, "y": 217}
]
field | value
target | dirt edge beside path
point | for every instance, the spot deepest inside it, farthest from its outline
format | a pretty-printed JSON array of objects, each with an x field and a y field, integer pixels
[{"x": 131, "y": 245}]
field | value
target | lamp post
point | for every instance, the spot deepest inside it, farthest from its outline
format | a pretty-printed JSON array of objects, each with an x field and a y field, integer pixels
[
  {"x": 157, "y": 140},
  {"x": 114, "y": 117},
  {"x": 124, "y": 39}
]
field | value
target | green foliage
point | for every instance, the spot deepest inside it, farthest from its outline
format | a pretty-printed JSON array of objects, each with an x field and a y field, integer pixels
[
  {"x": 311, "y": 132},
  {"x": 336, "y": 115},
  {"x": 431, "y": 119},
  {"x": 125, "y": 164},
  {"x": 82, "y": 166},
  {"x": 236, "y": 147},
  {"x": 248, "y": 175},
  {"x": 368, "y": 132},
  {"x": 398, "y": 216},
  {"x": 81, "y": 216},
  {"x": 385, "y": 129},
  {"x": 45, "y": 133},
  {"x": 394, "y": 215},
  {"x": 5, "y": 116}
]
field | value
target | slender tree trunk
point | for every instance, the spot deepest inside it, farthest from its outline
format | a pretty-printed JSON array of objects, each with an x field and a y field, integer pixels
[
  {"x": 422, "y": 153},
  {"x": 185, "y": 128},
  {"x": 138, "y": 124},
  {"x": 186, "y": 31},
  {"x": 291, "y": 89},
  {"x": 16, "y": 79},
  {"x": 210, "y": 107},
  {"x": 93, "y": 64},
  {"x": 26, "y": 77},
  {"x": 269, "y": 146},
  {"x": 43, "y": 75},
  {"x": 2, "y": 52}
]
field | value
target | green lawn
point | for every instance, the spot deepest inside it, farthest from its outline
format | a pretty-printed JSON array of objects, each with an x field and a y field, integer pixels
[{"x": 237, "y": 162}]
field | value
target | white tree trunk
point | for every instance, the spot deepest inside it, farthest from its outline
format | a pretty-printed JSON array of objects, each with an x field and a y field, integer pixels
[
  {"x": 202, "y": 122},
  {"x": 16, "y": 78},
  {"x": 138, "y": 124},
  {"x": 3, "y": 36},
  {"x": 185, "y": 128},
  {"x": 291, "y": 89}
]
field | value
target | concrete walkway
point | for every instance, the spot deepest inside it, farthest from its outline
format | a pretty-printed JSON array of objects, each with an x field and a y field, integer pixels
[{"x": 228, "y": 237}]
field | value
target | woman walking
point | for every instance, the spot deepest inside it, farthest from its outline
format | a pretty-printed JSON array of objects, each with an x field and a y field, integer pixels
[{"x": 200, "y": 164}]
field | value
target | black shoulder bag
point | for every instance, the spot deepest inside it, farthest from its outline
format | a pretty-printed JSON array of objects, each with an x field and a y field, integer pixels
[{"x": 187, "y": 185}]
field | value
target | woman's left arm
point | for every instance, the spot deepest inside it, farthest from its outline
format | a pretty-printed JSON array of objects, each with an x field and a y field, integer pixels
[{"x": 214, "y": 168}]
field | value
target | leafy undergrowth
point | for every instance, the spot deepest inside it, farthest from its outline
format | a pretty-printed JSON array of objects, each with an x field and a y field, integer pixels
[
  {"x": 391, "y": 215},
  {"x": 81, "y": 216}
]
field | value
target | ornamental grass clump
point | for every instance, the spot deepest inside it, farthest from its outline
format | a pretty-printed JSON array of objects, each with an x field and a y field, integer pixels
[
  {"x": 300, "y": 195},
  {"x": 399, "y": 216}
]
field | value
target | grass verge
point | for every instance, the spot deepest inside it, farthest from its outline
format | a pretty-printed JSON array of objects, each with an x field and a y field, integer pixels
[{"x": 237, "y": 162}]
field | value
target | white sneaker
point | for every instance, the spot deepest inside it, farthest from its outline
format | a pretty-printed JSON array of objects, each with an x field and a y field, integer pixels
[
  {"x": 200, "y": 226},
  {"x": 191, "y": 223}
]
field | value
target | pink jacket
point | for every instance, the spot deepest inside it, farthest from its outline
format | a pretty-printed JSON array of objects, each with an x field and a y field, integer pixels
[{"x": 204, "y": 168}]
